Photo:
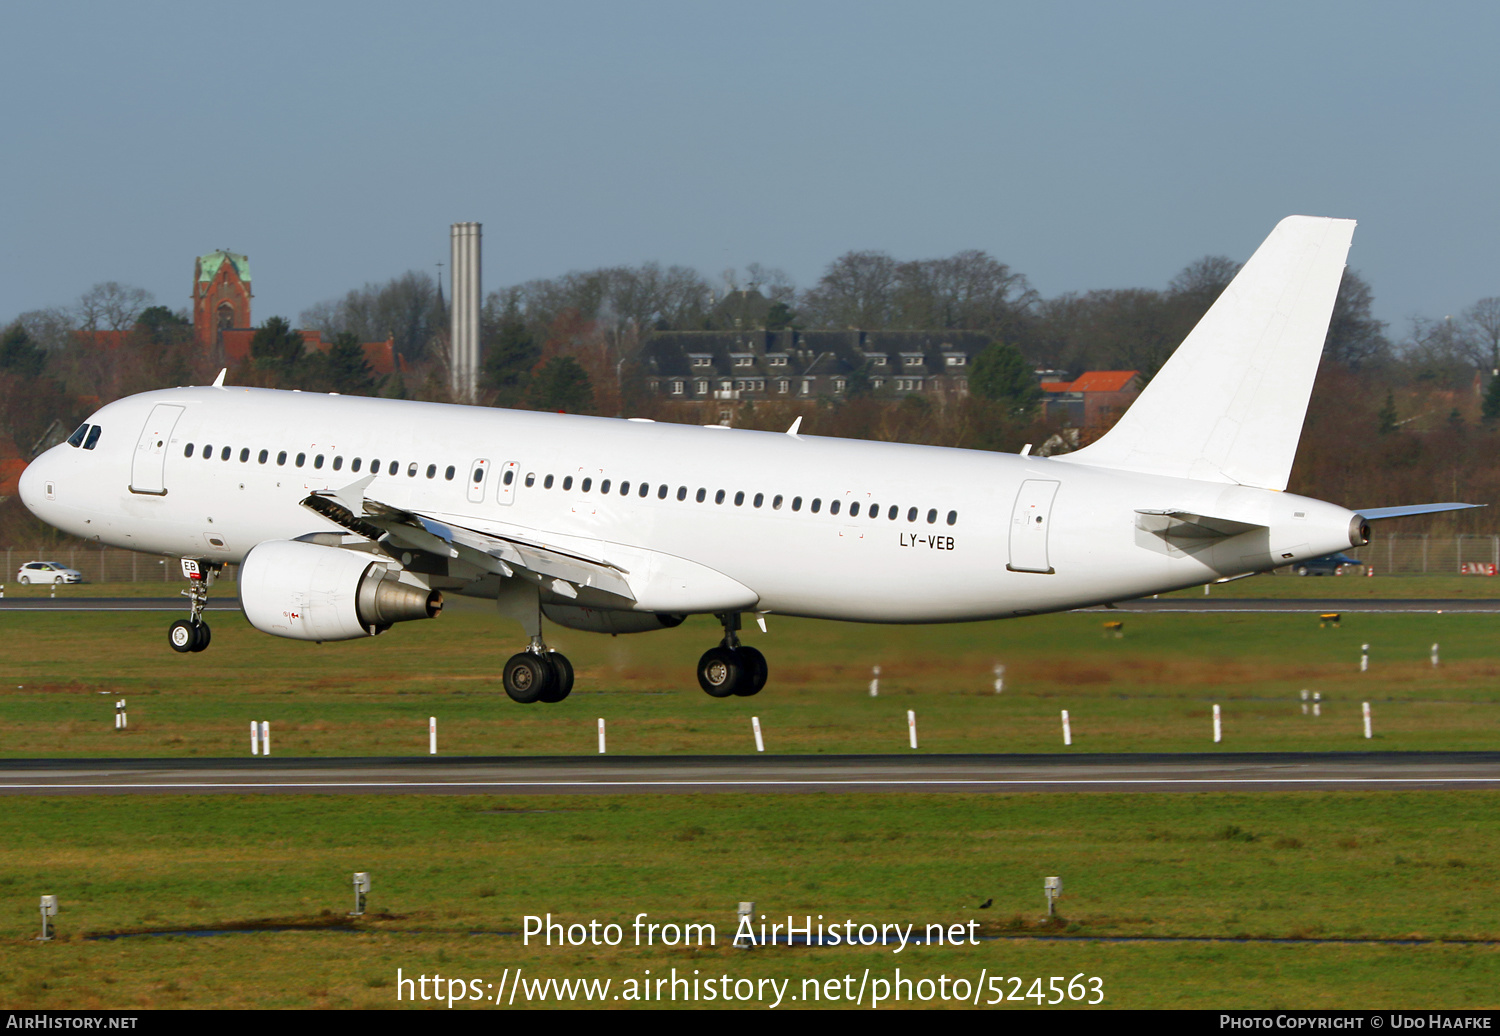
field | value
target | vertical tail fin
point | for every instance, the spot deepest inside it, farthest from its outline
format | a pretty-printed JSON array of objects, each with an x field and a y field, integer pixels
[{"x": 1229, "y": 405}]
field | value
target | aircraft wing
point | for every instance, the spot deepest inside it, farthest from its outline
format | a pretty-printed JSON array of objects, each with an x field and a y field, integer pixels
[{"x": 398, "y": 531}]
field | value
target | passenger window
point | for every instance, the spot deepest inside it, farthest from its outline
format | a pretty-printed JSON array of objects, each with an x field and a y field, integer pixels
[
  {"x": 76, "y": 439},
  {"x": 338, "y": 463},
  {"x": 952, "y": 517},
  {"x": 932, "y": 516},
  {"x": 854, "y": 509},
  {"x": 393, "y": 467},
  {"x": 568, "y": 482},
  {"x": 374, "y": 467},
  {"x": 318, "y": 461},
  {"x": 478, "y": 475},
  {"x": 796, "y": 503},
  {"x": 739, "y": 498},
  {"x": 893, "y": 512},
  {"x": 188, "y": 450},
  {"x": 411, "y": 470},
  {"x": 510, "y": 476},
  {"x": 208, "y": 451},
  {"x": 586, "y": 484},
  {"x": 265, "y": 454},
  {"x": 245, "y": 455},
  {"x": 547, "y": 482},
  {"x": 624, "y": 488},
  {"x": 604, "y": 486},
  {"x": 911, "y": 515},
  {"x": 93, "y": 439},
  {"x": 645, "y": 490},
  {"x": 682, "y": 492},
  {"x": 354, "y": 466},
  {"x": 817, "y": 504},
  {"x": 281, "y": 458},
  {"x": 701, "y": 495},
  {"x": 776, "y": 502},
  {"x": 301, "y": 459},
  {"x": 226, "y": 453},
  {"x": 661, "y": 491},
  {"x": 833, "y": 508},
  {"x": 449, "y": 473},
  {"x": 432, "y": 471},
  {"x": 530, "y": 479},
  {"x": 760, "y": 498},
  {"x": 719, "y": 497},
  {"x": 874, "y": 510}
]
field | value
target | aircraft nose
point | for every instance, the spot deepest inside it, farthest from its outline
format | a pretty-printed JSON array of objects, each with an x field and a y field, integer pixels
[{"x": 36, "y": 485}]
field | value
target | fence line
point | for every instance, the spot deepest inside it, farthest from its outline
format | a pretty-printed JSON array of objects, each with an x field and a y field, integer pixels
[{"x": 1413, "y": 554}]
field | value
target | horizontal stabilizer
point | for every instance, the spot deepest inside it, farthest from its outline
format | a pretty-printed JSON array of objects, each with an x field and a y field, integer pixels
[
  {"x": 1185, "y": 525},
  {"x": 1374, "y": 514}
]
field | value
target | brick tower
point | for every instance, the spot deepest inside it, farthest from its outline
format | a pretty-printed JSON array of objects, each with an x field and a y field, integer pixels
[{"x": 221, "y": 300}]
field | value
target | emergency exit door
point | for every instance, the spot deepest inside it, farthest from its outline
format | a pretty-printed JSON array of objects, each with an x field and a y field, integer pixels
[{"x": 1030, "y": 523}]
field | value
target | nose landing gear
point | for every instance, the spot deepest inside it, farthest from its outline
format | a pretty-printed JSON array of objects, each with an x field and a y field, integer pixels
[
  {"x": 732, "y": 668},
  {"x": 192, "y": 633}
]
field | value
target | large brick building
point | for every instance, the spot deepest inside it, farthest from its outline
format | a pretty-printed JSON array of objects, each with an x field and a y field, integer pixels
[{"x": 221, "y": 305}]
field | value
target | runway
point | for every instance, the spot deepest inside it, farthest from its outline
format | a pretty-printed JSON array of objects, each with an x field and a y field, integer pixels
[
  {"x": 1206, "y": 605},
  {"x": 561, "y": 775}
]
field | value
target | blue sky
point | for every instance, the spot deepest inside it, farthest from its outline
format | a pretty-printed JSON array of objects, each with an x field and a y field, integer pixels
[{"x": 1087, "y": 145}]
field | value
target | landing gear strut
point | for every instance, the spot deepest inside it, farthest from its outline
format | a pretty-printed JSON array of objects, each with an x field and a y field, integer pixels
[
  {"x": 538, "y": 673},
  {"x": 732, "y": 668},
  {"x": 192, "y": 633}
]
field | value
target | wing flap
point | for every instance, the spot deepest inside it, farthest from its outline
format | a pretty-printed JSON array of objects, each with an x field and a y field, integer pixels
[{"x": 1189, "y": 526}]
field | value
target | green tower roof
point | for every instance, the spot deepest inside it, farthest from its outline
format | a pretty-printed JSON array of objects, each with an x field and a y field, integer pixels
[{"x": 208, "y": 265}]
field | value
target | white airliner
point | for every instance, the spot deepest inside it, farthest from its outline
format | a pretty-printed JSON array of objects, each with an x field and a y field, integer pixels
[{"x": 348, "y": 514}]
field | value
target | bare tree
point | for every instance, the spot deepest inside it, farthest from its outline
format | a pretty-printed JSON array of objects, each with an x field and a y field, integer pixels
[
  {"x": 111, "y": 306},
  {"x": 856, "y": 290},
  {"x": 1482, "y": 322}
]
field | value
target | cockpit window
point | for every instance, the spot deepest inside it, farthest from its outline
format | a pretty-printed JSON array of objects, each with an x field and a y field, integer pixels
[
  {"x": 93, "y": 439},
  {"x": 76, "y": 439}
]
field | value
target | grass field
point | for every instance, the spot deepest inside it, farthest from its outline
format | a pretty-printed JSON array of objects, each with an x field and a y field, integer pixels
[
  {"x": 1303, "y": 867},
  {"x": 1153, "y": 689},
  {"x": 450, "y": 873}
]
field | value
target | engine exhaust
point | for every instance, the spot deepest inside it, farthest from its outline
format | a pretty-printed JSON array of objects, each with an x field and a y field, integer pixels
[{"x": 384, "y": 600}]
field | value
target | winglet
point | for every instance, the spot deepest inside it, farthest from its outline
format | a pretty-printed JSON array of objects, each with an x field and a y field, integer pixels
[
  {"x": 792, "y": 431},
  {"x": 219, "y": 381}
]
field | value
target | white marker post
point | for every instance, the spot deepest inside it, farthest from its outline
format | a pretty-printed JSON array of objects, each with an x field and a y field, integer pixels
[
  {"x": 1317, "y": 703},
  {"x": 1434, "y": 656},
  {"x": 265, "y": 737},
  {"x": 1218, "y": 726},
  {"x": 911, "y": 725},
  {"x": 875, "y": 684},
  {"x": 1367, "y": 721},
  {"x": 1364, "y": 658},
  {"x": 1304, "y": 701},
  {"x": 760, "y": 746},
  {"x": 254, "y": 738},
  {"x": 999, "y": 678},
  {"x": 432, "y": 735},
  {"x": 601, "y": 735},
  {"x": 1067, "y": 729}
]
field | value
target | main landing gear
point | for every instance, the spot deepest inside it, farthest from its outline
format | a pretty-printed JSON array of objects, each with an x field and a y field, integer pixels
[
  {"x": 192, "y": 633},
  {"x": 732, "y": 668},
  {"x": 538, "y": 674}
]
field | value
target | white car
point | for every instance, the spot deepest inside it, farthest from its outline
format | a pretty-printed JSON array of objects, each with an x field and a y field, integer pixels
[{"x": 48, "y": 572}]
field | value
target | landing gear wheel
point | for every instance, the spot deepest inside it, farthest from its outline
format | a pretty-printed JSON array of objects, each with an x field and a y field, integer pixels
[
  {"x": 755, "y": 672},
  {"x": 201, "y": 636},
  {"x": 527, "y": 677},
  {"x": 562, "y": 678},
  {"x": 720, "y": 671},
  {"x": 182, "y": 636}
]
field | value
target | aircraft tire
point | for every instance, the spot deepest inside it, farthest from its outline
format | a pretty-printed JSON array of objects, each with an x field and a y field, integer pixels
[
  {"x": 756, "y": 671},
  {"x": 182, "y": 636},
  {"x": 526, "y": 677},
  {"x": 201, "y": 636},
  {"x": 562, "y": 678},
  {"x": 720, "y": 671}
]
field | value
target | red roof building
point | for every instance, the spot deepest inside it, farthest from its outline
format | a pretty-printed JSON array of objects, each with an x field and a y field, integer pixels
[{"x": 1094, "y": 400}]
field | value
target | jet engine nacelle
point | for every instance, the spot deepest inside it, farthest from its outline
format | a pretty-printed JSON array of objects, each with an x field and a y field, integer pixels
[
  {"x": 308, "y": 592},
  {"x": 608, "y": 620}
]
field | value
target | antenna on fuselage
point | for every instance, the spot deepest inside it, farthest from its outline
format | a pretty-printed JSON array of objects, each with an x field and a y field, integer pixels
[{"x": 219, "y": 381}]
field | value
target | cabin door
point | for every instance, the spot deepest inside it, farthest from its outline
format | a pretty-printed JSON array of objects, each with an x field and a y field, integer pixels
[
  {"x": 1030, "y": 523},
  {"x": 148, "y": 468}
]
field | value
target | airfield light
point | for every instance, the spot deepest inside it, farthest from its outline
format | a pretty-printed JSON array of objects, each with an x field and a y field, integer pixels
[
  {"x": 744, "y": 942},
  {"x": 49, "y": 909},
  {"x": 361, "y": 889},
  {"x": 1053, "y": 888}
]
